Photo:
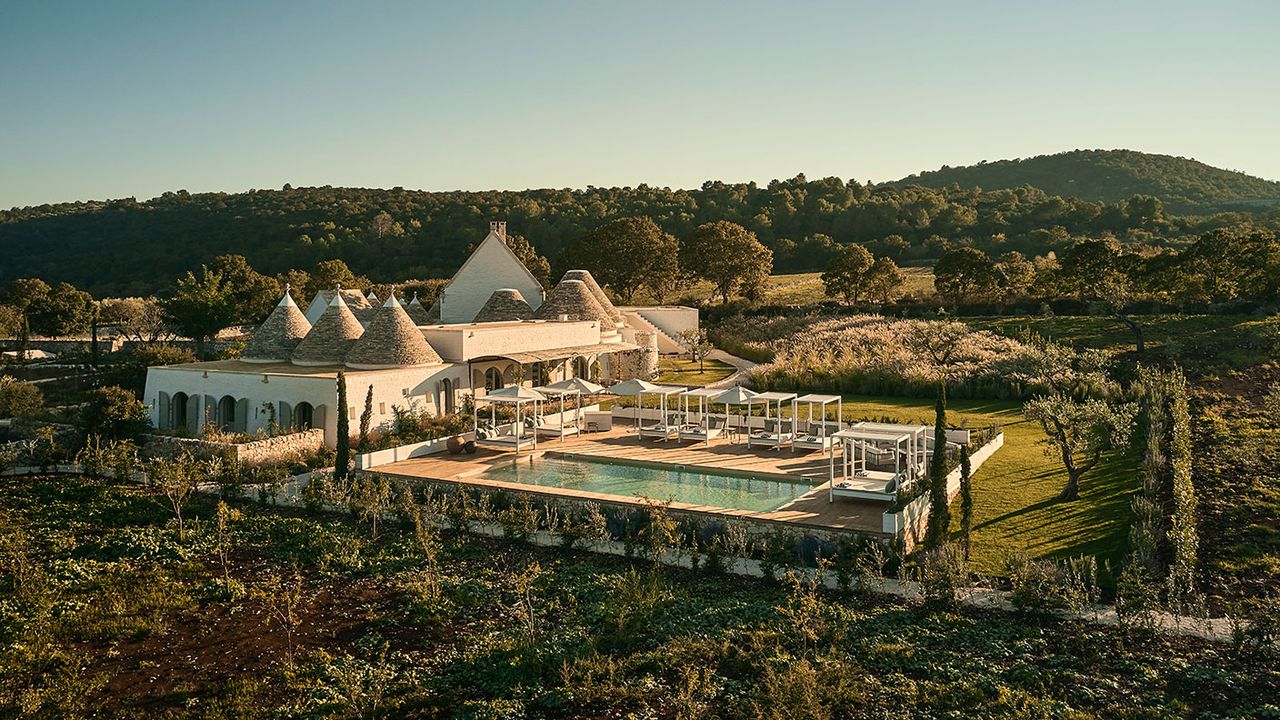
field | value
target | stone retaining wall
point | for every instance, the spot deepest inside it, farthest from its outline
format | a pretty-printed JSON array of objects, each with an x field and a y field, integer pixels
[{"x": 268, "y": 449}]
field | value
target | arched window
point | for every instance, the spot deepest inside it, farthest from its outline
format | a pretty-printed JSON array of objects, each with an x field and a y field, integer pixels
[
  {"x": 492, "y": 379},
  {"x": 178, "y": 418},
  {"x": 303, "y": 414},
  {"x": 227, "y": 412}
]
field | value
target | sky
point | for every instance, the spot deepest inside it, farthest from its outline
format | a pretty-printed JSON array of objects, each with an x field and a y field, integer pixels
[{"x": 117, "y": 99}]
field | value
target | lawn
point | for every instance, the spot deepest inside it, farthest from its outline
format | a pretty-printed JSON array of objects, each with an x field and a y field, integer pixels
[
  {"x": 692, "y": 372},
  {"x": 794, "y": 289},
  {"x": 1014, "y": 491}
]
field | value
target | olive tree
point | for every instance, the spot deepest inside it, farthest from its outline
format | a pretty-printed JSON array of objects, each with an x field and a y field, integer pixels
[{"x": 1079, "y": 432}]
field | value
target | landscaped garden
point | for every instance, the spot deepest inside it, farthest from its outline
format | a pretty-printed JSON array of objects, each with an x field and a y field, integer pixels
[{"x": 256, "y": 612}]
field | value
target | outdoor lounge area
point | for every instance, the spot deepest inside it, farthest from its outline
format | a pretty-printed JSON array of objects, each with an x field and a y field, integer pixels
[
  {"x": 730, "y": 466},
  {"x": 700, "y": 464}
]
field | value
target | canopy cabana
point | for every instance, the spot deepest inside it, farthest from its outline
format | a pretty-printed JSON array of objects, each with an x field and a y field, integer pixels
[
  {"x": 777, "y": 431},
  {"x": 665, "y": 427},
  {"x": 574, "y": 387},
  {"x": 706, "y": 427},
  {"x": 862, "y": 447},
  {"x": 515, "y": 435},
  {"x": 736, "y": 395},
  {"x": 817, "y": 434}
]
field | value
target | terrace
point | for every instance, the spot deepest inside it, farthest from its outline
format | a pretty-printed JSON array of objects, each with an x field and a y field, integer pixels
[{"x": 719, "y": 458}]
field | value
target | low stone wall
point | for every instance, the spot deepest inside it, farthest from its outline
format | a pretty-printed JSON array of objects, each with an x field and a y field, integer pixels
[{"x": 268, "y": 449}]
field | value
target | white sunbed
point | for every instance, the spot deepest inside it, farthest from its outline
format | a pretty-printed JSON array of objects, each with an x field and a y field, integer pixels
[
  {"x": 869, "y": 485},
  {"x": 554, "y": 430},
  {"x": 813, "y": 441},
  {"x": 700, "y": 433},
  {"x": 773, "y": 435},
  {"x": 661, "y": 430}
]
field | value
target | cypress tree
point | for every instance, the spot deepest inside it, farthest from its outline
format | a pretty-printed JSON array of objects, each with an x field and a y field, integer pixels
[
  {"x": 939, "y": 514},
  {"x": 343, "y": 460},
  {"x": 366, "y": 419},
  {"x": 966, "y": 499}
]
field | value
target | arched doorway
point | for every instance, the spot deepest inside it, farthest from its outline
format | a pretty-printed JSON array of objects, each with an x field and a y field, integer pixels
[
  {"x": 178, "y": 415},
  {"x": 303, "y": 416},
  {"x": 227, "y": 413},
  {"x": 493, "y": 379}
]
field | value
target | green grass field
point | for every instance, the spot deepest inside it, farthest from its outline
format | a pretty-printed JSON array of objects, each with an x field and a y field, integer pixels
[
  {"x": 691, "y": 372},
  {"x": 1014, "y": 491},
  {"x": 794, "y": 289}
]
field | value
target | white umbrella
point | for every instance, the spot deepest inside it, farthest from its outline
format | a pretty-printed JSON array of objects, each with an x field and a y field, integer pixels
[
  {"x": 515, "y": 392},
  {"x": 631, "y": 387},
  {"x": 575, "y": 384},
  {"x": 736, "y": 395}
]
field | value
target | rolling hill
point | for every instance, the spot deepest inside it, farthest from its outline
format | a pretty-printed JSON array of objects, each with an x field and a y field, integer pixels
[{"x": 1184, "y": 185}]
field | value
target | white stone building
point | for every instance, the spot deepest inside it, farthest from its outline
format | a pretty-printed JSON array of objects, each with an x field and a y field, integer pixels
[{"x": 492, "y": 326}]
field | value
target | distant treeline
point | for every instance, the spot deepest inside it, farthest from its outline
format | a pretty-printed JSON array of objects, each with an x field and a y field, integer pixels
[
  {"x": 126, "y": 247},
  {"x": 1184, "y": 185}
]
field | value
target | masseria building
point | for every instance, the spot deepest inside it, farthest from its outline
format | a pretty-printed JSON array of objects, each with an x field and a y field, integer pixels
[{"x": 493, "y": 325}]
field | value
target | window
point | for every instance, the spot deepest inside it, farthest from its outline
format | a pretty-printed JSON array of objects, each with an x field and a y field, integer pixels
[
  {"x": 446, "y": 392},
  {"x": 382, "y": 408}
]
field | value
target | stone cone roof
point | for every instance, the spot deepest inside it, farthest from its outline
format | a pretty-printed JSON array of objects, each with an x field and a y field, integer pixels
[
  {"x": 331, "y": 338},
  {"x": 504, "y": 305},
  {"x": 391, "y": 340},
  {"x": 597, "y": 292},
  {"x": 433, "y": 312},
  {"x": 574, "y": 299},
  {"x": 356, "y": 302},
  {"x": 417, "y": 313},
  {"x": 278, "y": 336}
]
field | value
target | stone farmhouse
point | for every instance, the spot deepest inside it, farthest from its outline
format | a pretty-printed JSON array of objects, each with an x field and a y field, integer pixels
[{"x": 492, "y": 326}]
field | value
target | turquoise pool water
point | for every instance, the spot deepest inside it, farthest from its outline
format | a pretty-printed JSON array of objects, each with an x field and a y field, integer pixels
[{"x": 655, "y": 482}]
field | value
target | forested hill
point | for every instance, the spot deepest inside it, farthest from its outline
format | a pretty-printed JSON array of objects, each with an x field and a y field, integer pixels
[
  {"x": 1185, "y": 186},
  {"x": 127, "y": 246}
]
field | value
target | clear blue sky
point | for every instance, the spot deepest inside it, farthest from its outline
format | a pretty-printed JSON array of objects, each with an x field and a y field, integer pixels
[{"x": 107, "y": 99}]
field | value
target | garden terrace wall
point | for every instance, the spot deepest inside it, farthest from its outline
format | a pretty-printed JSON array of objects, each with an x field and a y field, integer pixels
[
  {"x": 253, "y": 452},
  {"x": 908, "y": 523}
]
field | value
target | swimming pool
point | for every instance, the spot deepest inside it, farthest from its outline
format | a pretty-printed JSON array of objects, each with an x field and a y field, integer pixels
[{"x": 658, "y": 482}]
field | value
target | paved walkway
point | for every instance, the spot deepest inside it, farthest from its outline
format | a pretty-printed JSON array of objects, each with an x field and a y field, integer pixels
[{"x": 744, "y": 368}]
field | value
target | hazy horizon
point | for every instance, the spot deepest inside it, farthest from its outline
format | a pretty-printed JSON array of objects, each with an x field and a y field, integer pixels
[{"x": 107, "y": 101}]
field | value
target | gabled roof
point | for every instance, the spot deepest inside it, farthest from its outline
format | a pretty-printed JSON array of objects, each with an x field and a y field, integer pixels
[
  {"x": 391, "y": 340},
  {"x": 331, "y": 338},
  {"x": 504, "y": 305},
  {"x": 492, "y": 237},
  {"x": 278, "y": 336}
]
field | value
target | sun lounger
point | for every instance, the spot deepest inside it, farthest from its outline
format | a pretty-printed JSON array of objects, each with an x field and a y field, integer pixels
[
  {"x": 774, "y": 435},
  {"x": 869, "y": 485},
  {"x": 697, "y": 432}
]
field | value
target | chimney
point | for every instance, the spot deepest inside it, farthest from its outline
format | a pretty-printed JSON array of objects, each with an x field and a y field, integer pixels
[{"x": 499, "y": 228}]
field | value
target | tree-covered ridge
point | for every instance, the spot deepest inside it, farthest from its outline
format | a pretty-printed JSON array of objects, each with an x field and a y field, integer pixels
[
  {"x": 1183, "y": 184},
  {"x": 127, "y": 247}
]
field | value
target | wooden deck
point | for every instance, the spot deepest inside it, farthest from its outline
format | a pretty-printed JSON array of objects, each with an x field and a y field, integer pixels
[{"x": 811, "y": 509}]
